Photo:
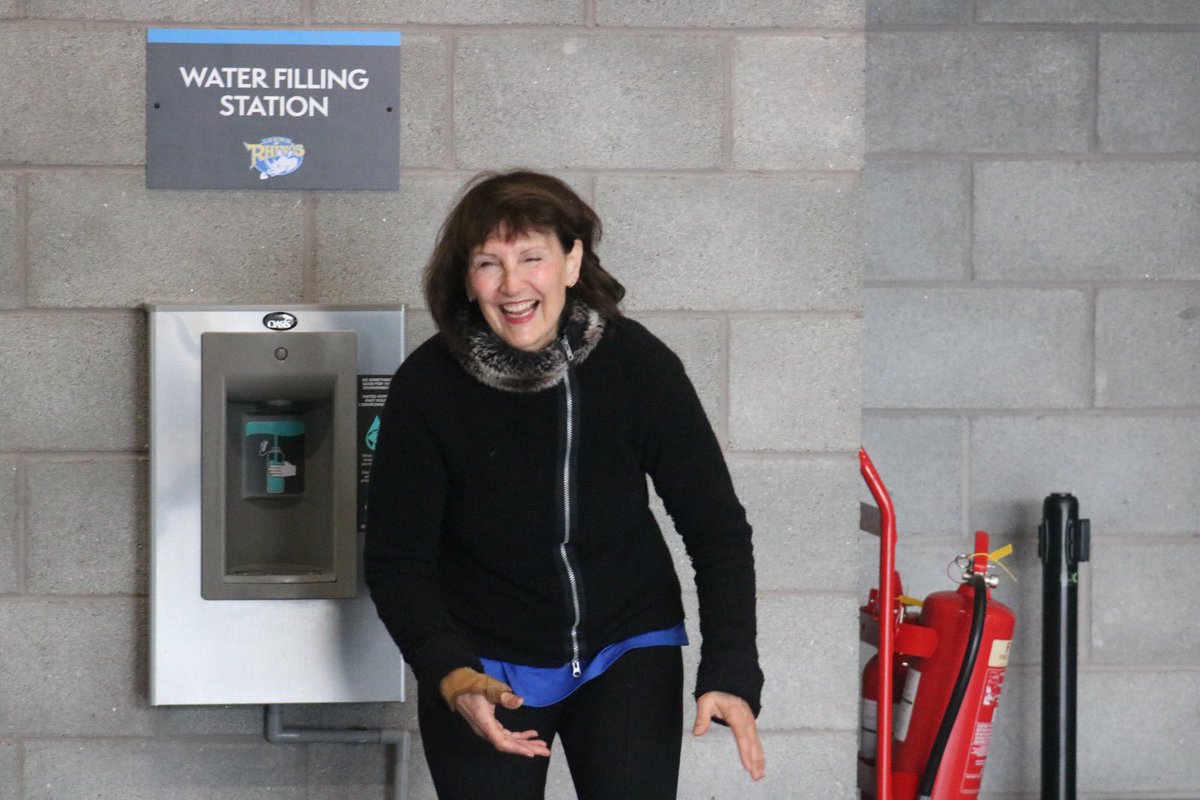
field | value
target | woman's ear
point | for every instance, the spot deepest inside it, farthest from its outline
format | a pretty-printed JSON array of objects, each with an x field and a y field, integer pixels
[{"x": 574, "y": 261}]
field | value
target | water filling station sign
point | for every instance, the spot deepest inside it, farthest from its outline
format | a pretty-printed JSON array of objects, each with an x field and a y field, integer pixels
[{"x": 272, "y": 109}]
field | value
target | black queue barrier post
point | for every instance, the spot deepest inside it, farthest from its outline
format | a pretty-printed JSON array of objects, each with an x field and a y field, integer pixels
[{"x": 1064, "y": 541}]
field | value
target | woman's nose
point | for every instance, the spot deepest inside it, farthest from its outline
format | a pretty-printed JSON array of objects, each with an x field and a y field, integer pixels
[{"x": 511, "y": 283}]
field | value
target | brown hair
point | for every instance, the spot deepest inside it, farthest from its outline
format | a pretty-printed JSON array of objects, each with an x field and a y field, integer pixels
[{"x": 513, "y": 203}]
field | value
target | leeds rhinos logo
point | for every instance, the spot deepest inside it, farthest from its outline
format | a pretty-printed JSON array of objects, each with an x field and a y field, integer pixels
[{"x": 275, "y": 156}]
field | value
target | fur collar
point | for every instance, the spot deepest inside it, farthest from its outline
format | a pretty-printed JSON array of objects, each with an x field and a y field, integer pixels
[{"x": 491, "y": 361}]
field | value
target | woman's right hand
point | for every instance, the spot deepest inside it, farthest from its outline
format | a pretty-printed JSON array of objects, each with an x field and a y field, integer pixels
[{"x": 480, "y": 714}]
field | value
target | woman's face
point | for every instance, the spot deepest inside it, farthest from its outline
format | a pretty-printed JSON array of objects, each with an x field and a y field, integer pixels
[{"x": 521, "y": 285}]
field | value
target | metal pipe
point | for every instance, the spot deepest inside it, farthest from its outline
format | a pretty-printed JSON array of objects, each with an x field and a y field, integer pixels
[
  {"x": 1064, "y": 540},
  {"x": 400, "y": 756},
  {"x": 398, "y": 738}
]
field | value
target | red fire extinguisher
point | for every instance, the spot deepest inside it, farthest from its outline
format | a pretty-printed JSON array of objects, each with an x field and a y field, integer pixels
[{"x": 930, "y": 693}]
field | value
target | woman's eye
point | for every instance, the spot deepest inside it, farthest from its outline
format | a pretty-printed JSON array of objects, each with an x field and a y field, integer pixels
[{"x": 484, "y": 264}]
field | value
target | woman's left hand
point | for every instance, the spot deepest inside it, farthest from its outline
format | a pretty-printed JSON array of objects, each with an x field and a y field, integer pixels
[{"x": 734, "y": 712}]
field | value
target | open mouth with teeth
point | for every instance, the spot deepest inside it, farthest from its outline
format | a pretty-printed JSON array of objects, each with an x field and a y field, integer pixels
[{"x": 517, "y": 313}]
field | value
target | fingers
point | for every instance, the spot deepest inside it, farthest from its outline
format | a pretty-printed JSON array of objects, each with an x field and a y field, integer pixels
[
  {"x": 481, "y": 716},
  {"x": 704, "y": 711},
  {"x": 736, "y": 713},
  {"x": 511, "y": 701},
  {"x": 750, "y": 748},
  {"x": 522, "y": 743}
]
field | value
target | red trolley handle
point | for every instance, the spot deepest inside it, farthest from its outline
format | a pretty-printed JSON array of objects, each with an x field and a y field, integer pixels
[{"x": 887, "y": 627}]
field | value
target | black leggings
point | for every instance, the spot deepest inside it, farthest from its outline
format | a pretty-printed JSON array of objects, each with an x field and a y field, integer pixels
[{"x": 621, "y": 733}]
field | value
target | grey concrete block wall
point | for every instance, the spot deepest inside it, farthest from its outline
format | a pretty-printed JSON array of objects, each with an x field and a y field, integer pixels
[
  {"x": 77, "y": 666},
  {"x": 104, "y": 240},
  {"x": 811, "y": 766},
  {"x": 808, "y": 630},
  {"x": 722, "y": 144},
  {"x": 918, "y": 11},
  {"x": 1138, "y": 72},
  {"x": 822, "y": 14},
  {"x": 1084, "y": 11},
  {"x": 961, "y": 348},
  {"x": 10, "y": 580},
  {"x": 1121, "y": 632},
  {"x": 1158, "y": 701},
  {"x": 340, "y": 772},
  {"x": 787, "y": 544},
  {"x": 455, "y": 12},
  {"x": 971, "y": 92},
  {"x": 555, "y": 101},
  {"x": 153, "y": 769},
  {"x": 813, "y": 407},
  {"x": 1030, "y": 192},
  {"x": 424, "y": 87},
  {"x": 87, "y": 527},
  {"x": 10, "y": 770},
  {"x": 725, "y": 243},
  {"x": 10, "y": 276},
  {"x": 1136, "y": 474},
  {"x": 812, "y": 121},
  {"x": 1147, "y": 345},
  {"x": 285, "y": 11},
  {"x": 73, "y": 381},
  {"x": 916, "y": 220},
  {"x": 79, "y": 95},
  {"x": 1126, "y": 220}
]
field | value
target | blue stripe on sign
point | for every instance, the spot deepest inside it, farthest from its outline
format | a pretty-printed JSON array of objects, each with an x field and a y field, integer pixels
[{"x": 231, "y": 36}]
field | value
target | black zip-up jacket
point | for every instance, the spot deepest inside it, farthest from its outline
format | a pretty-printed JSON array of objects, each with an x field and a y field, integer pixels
[{"x": 516, "y": 525}]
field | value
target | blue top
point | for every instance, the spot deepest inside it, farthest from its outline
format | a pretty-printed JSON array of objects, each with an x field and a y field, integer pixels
[{"x": 545, "y": 686}]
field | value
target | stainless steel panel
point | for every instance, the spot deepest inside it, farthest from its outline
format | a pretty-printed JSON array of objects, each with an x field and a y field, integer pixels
[{"x": 248, "y": 651}]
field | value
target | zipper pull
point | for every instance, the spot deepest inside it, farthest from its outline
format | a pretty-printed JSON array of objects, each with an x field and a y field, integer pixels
[
  {"x": 570, "y": 356},
  {"x": 576, "y": 671}
]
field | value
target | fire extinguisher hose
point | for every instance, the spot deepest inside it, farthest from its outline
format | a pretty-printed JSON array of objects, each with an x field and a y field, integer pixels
[{"x": 979, "y": 614}]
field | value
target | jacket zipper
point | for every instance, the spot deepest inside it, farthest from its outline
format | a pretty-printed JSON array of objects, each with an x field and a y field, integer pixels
[{"x": 576, "y": 671}]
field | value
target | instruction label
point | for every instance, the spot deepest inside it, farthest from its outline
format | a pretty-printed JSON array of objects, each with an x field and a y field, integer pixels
[{"x": 372, "y": 392}]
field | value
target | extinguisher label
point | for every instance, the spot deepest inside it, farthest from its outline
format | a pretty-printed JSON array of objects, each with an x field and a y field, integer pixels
[
  {"x": 908, "y": 699},
  {"x": 993, "y": 679},
  {"x": 981, "y": 738},
  {"x": 981, "y": 733},
  {"x": 999, "y": 655},
  {"x": 868, "y": 735}
]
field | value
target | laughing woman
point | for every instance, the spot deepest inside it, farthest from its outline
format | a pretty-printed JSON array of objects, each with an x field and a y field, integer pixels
[{"x": 511, "y": 550}]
